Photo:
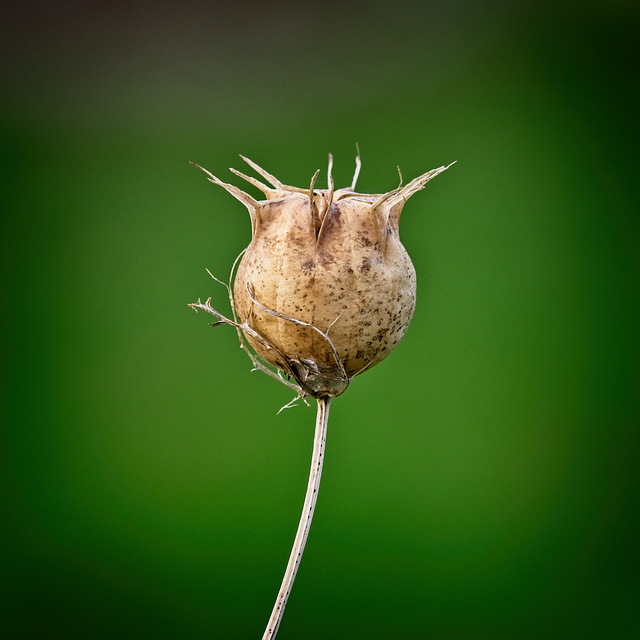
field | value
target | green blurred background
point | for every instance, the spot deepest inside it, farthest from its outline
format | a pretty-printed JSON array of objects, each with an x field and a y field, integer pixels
[{"x": 481, "y": 483}]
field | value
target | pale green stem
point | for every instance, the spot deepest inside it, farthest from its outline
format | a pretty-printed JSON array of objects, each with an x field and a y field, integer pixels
[{"x": 311, "y": 496}]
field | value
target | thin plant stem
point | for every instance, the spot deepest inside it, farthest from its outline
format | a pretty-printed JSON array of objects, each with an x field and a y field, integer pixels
[{"x": 310, "y": 498}]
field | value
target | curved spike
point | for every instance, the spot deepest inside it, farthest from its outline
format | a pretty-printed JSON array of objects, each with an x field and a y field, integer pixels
[
  {"x": 255, "y": 182},
  {"x": 329, "y": 169},
  {"x": 415, "y": 185},
  {"x": 383, "y": 206},
  {"x": 381, "y": 216},
  {"x": 328, "y": 200},
  {"x": 356, "y": 173},
  {"x": 239, "y": 194},
  {"x": 312, "y": 217},
  {"x": 265, "y": 174},
  {"x": 383, "y": 198},
  {"x": 327, "y": 210},
  {"x": 250, "y": 203},
  {"x": 331, "y": 189},
  {"x": 314, "y": 177}
]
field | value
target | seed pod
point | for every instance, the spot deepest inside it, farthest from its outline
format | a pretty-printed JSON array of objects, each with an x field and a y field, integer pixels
[{"x": 325, "y": 289}]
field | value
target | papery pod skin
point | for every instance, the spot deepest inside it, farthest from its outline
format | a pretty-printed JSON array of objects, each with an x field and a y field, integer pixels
[{"x": 325, "y": 281}]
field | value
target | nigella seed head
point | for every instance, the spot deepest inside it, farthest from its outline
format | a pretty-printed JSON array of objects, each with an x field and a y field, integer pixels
[{"x": 325, "y": 290}]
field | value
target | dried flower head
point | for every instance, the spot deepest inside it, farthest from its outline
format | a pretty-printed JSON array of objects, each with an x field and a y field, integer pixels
[{"x": 325, "y": 289}]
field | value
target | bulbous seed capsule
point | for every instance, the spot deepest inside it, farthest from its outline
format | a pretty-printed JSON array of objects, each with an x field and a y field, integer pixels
[{"x": 325, "y": 289}]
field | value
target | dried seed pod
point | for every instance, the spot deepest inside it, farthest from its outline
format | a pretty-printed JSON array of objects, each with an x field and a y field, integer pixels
[{"x": 325, "y": 289}]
